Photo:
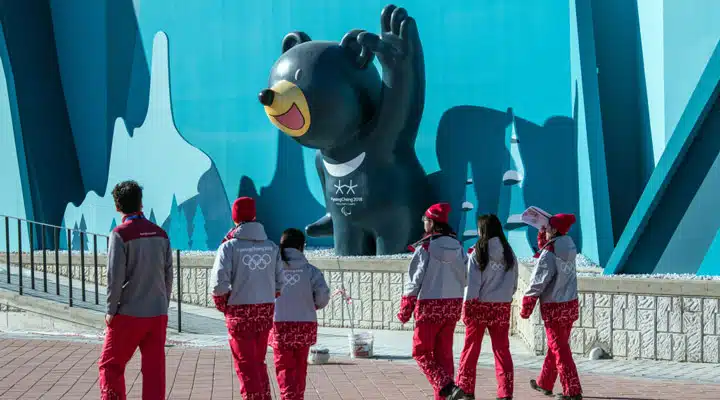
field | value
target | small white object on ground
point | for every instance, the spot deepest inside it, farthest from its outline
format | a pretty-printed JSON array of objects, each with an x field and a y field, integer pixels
[{"x": 597, "y": 353}]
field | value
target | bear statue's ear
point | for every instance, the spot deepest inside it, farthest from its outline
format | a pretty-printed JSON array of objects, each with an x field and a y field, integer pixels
[
  {"x": 363, "y": 55},
  {"x": 293, "y": 39}
]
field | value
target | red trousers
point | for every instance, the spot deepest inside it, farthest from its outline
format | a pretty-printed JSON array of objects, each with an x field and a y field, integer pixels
[
  {"x": 249, "y": 349},
  {"x": 500, "y": 337},
  {"x": 124, "y": 335},
  {"x": 291, "y": 367},
  {"x": 559, "y": 361},
  {"x": 433, "y": 352}
]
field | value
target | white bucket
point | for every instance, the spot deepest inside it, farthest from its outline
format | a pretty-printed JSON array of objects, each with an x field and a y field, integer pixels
[
  {"x": 319, "y": 356},
  {"x": 361, "y": 345}
]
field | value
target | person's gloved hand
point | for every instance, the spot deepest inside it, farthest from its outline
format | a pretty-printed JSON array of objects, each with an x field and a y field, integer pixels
[
  {"x": 221, "y": 302},
  {"x": 407, "y": 306},
  {"x": 528, "y": 305}
]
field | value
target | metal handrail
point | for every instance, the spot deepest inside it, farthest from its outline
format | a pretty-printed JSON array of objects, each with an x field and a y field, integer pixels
[{"x": 54, "y": 232}]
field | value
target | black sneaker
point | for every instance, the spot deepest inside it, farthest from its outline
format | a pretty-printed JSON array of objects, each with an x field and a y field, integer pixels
[
  {"x": 469, "y": 397},
  {"x": 563, "y": 397},
  {"x": 452, "y": 392},
  {"x": 503, "y": 398},
  {"x": 534, "y": 386}
]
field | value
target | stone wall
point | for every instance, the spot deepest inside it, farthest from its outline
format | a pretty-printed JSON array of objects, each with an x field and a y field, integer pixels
[
  {"x": 638, "y": 318},
  {"x": 628, "y": 317}
]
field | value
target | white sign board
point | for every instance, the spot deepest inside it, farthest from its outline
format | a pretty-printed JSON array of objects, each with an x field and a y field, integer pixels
[{"x": 536, "y": 217}]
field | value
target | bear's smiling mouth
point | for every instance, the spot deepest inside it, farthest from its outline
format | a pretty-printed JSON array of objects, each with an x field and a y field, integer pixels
[{"x": 291, "y": 119}]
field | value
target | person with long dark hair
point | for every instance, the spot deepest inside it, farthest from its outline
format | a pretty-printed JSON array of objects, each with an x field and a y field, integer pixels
[
  {"x": 295, "y": 326},
  {"x": 434, "y": 295},
  {"x": 492, "y": 280},
  {"x": 554, "y": 283},
  {"x": 246, "y": 278}
]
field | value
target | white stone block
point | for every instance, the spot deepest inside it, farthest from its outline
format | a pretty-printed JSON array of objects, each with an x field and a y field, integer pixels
[
  {"x": 633, "y": 344},
  {"x": 646, "y": 302},
  {"x": 619, "y": 344},
  {"x": 631, "y": 312},
  {"x": 646, "y": 321},
  {"x": 591, "y": 337},
  {"x": 709, "y": 316},
  {"x": 588, "y": 312},
  {"x": 663, "y": 304},
  {"x": 692, "y": 326},
  {"x": 664, "y": 346},
  {"x": 577, "y": 342},
  {"x": 691, "y": 304},
  {"x": 675, "y": 321},
  {"x": 602, "y": 300},
  {"x": 603, "y": 324},
  {"x": 678, "y": 347},
  {"x": 710, "y": 348},
  {"x": 663, "y": 319}
]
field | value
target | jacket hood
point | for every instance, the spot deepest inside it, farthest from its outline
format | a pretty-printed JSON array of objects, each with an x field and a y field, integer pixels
[
  {"x": 250, "y": 231},
  {"x": 446, "y": 249},
  {"x": 296, "y": 258},
  {"x": 565, "y": 248},
  {"x": 495, "y": 250}
]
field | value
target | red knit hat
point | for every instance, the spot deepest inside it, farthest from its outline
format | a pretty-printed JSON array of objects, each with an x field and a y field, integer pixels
[
  {"x": 243, "y": 210},
  {"x": 562, "y": 222},
  {"x": 439, "y": 212}
]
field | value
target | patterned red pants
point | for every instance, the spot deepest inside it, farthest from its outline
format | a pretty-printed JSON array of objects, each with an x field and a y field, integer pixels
[
  {"x": 500, "y": 336},
  {"x": 559, "y": 361},
  {"x": 249, "y": 349},
  {"x": 291, "y": 367},
  {"x": 124, "y": 335},
  {"x": 433, "y": 352}
]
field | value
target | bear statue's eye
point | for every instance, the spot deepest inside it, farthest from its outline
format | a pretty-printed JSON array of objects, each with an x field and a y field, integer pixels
[{"x": 298, "y": 75}]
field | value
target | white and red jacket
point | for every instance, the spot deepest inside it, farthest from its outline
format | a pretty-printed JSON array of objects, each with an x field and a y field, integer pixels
[
  {"x": 305, "y": 291},
  {"x": 554, "y": 283},
  {"x": 246, "y": 276},
  {"x": 436, "y": 281},
  {"x": 489, "y": 293}
]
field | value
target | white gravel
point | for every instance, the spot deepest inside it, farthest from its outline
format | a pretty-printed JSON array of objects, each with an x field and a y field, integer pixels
[{"x": 586, "y": 267}]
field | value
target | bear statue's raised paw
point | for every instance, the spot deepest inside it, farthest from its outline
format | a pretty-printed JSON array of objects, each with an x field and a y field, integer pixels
[{"x": 399, "y": 40}]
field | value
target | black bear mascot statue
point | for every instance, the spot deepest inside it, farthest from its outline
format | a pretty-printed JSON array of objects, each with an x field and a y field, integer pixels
[{"x": 329, "y": 96}]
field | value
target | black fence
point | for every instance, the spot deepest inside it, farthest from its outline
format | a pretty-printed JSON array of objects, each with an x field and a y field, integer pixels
[{"x": 34, "y": 264}]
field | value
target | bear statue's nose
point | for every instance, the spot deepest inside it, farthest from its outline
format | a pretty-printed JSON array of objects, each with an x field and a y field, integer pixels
[{"x": 266, "y": 97}]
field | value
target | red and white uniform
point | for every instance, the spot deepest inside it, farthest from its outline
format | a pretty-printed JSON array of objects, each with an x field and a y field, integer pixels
[
  {"x": 488, "y": 300},
  {"x": 246, "y": 277},
  {"x": 139, "y": 285},
  {"x": 295, "y": 326},
  {"x": 554, "y": 283},
  {"x": 433, "y": 293}
]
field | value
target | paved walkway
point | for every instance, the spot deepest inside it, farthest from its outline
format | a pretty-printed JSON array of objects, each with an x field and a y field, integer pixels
[{"x": 41, "y": 369}]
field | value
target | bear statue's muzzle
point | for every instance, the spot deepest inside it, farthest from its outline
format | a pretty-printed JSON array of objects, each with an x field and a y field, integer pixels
[{"x": 286, "y": 107}]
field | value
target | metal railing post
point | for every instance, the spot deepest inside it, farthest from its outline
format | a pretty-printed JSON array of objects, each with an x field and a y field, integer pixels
[
  {"x": 95, "y": 262},
  {"x": 70, "y": 286},
  {"x": 44, "y": 255},
  {"x": 20, "y": 264},
  {"x": 31, "y": 236},
  {"x": 7, "y": 249},
  {"x": 179, "y": 292},
  {"x": 56, "y": 237},
  {"x": 82, "y": 264}
]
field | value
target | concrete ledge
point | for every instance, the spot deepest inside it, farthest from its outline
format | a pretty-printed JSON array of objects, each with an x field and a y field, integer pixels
[{"x": 54, "y": 310}]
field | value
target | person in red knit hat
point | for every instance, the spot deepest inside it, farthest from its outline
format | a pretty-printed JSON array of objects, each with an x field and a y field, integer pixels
[
  {"x": 246, "y": 278},
  {"x": 434, "y": 294},
  {"x": 492, "y": 280},
  {"x": 554, "y": 283}
]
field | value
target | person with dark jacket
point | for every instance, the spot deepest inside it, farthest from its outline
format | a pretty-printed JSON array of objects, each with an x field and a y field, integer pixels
[
  {"x": 492, "y": 282},
  {"x": 295, "y": 327},
  {"x": 554, "y": 283},
  {"x": 139, "y": 283},
  {"x": 434, "y": 294},
  {"x": 246, "y": 278}
]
